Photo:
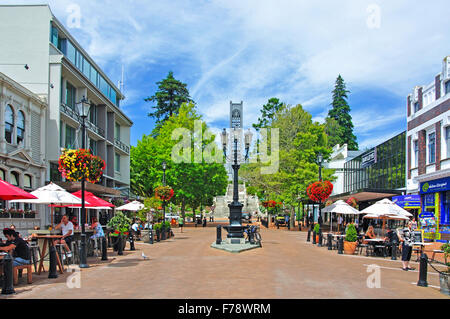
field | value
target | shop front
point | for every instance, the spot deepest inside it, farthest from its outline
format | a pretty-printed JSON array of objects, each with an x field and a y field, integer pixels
[
  {"x": 434, "y": 218},
  {"x": 411, "y": 203}
]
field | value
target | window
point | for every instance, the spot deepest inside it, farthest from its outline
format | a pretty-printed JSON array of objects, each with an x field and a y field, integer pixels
[
  {"x": 2, "y": 174},
  {"x": 93, "y": 114},
  {"x": 9, "y": 123},
  {"x": 55, "y": 175},
  {"x": 117, "y": 163},
  {"x": 94, "y": 76},
  {"x": 416, "y": 153},
  {"x": 93, "y": 146},
  {"x": 104, "y": 87},
  {"x": 70, "y": 137},
  {"x": 20, "y": 127},
  {"x": 117, "y": 132},
  {"x": 416, "y": 107},
  {"x": 87, "y": 68},
  {"x": 70, "y": 95},
  {"x": 54, "y": 35},
  {"x": 27, "y": 181},
  {"x": 71, "y": 52},
  {"x": 431, "y": 148},
  {"x": 447, "y": 87},
  {"x": 447, "y": 137},
  {"x": 14, "y": 178},
  {"x": 61, "y": 140}
]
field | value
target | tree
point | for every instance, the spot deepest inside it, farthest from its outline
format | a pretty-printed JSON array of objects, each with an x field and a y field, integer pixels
[
  {"x": 268, "y": 112},
  {"x": 340, "y": 112},
  {"x": 169, "y": 97}
]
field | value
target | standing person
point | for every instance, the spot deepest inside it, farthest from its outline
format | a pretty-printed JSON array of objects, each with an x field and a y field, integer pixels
[
  {"x": 414, "y": 224},
  {"x": 204, "y": 221},
  {"x": 66, "y": 227},
  {"x": 287, "y": 221},
  {"x": 181, "y": 223},
  {"x": 339, "y": 222},
  {"x": 407, "y": 244}
]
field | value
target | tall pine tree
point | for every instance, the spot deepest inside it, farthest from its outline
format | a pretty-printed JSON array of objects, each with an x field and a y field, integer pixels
[
  {"x": 169, "y": 97},
  {"x": 340, "y": 112}
]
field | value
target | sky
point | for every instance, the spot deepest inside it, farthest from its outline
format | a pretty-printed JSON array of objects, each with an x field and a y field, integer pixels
[{"x": 252, "y": 50}]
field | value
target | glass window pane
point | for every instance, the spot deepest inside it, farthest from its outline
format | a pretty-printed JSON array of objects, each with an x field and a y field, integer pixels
[
  {"x": 93, "y": 76},
  {"x": 54, "y": 36},
  {"x": 103, "y": 86},
  {"x": 117, "y": 162},
  {"x": 2, "y": 174},
  {"x": 86, "y": 68},
  {"x": 9, "y": 123},
  {"x": 15, "y": 179},
  {"x": 27, "y": 181},
  {"x": 20, "y": 127},
  {"x": 71, "y": 52}
]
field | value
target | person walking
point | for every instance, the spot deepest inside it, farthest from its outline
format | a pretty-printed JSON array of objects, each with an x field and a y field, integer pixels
[
  {"x": 181, "y": 223},
  {"x": 407, "y": 244},
  {"x": 204, "y": 221}
]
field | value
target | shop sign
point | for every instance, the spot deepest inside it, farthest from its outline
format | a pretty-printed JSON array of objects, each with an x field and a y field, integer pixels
[
  {"x": 407, "y": 201},
  {"x": 429, "y": 200},
  {"x": 369, "y": 159},
  {"x": 438, "y": 185},
  {"x": 426, "y": 215}
]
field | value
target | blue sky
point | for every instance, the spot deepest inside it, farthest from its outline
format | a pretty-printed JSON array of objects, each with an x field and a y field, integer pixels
[{"x": 254, "y": 50}]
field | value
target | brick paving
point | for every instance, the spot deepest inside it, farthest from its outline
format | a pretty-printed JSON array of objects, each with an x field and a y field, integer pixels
[{"x": 187, "y": 267}]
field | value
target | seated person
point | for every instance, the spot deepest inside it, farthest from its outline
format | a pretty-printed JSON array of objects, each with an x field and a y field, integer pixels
[
  {"x": 18, "y": 246},
  {"x": 98, "y": 230},
  {"x": 13, "y": 227},
  {"x": 66, "y": 227},
  {"x": 370, "y": 234},
  {"x": 74, "y": 221}
]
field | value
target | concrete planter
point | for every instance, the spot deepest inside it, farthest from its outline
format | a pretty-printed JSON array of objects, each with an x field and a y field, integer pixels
[
  {"x": 349, "y": 247},
  {"x": 444, "y": 283},
  {"x": 145, "y": 235}
]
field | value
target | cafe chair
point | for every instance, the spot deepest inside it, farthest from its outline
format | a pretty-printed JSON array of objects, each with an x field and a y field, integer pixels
[
  {"x": 361, "y": 246},
  {"x": 35, "y": 251},
  {"x": 16, "y": 270},
  {"x": 61, "y": 251}
]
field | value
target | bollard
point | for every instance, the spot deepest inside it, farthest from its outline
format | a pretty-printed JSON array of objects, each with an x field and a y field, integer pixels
[
  {"x": 158, "y": 235},
  {"x": 150, "y": 236},
  {"x": 340, "y": 245},
  {"x": 314, "y": 237},
  {"x": 394, "y": 250},
  {"x": 320, "y": 238},
  {"x": 104, "y": 249},
  {"x": 219, "y": 235},
  {"x": 163, "y": 232},
  {"x": 83, "y": 257},
  {"x": 423, "y": 271},
  {"x": 132, "y": 241},
  {"x": 52, "y": 267},
  {"x": 8, "y": 287},
  {"x": 330, "y": 242},
  {"x": 299, "y": 227},
  {"x": 309, "y": 235},
  {"x": 120, "y": 246}
]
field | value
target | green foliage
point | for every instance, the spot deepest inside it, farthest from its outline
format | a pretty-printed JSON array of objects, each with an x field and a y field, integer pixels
[
  {"x": 342, "y": 133},
  {"x": 120, "y": 222},
  {"x": 446, "y": 249},
  {"x": 268, "y": 112},
  {"x": 170, "y": 96},
  {"x": 317, "y": 228},
  {"x": 351, "y": 234}
]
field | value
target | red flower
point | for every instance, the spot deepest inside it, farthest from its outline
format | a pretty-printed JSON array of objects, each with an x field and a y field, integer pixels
[{"x": 319, "y": 191}]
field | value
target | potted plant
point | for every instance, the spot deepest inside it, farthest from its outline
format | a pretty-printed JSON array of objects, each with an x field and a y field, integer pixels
[
  {"x": 444, "y": 276},
  {"x": 350, "y": 240},
  {"x": 29, "y": 213},
  {"x": 120, "y": 226},
  {"x": 4, "y": 213},
  {"x": 317, "y": 230},
  {"x": 16, "y": 213}
]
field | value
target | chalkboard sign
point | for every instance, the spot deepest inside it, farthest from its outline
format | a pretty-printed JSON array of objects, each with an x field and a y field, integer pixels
[{"x": 417, "y": 235}]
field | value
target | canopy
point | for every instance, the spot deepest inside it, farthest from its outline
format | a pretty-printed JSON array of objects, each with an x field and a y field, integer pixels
[
  {"x": 341, "y": 207},
  {"x": 8, "y": 192},
  {"x": 386, "y": 208},
  {"x": 91, "y": 201},
  {"x": 50, "y": 194},
  {"x": 133, "y": 206}
]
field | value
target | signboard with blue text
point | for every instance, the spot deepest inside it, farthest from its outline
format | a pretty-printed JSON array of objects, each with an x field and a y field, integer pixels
[
  {"x": 369, "y": 159},
  {"x": 438, "y": 185},
  {"x": 408, "y": 201}
]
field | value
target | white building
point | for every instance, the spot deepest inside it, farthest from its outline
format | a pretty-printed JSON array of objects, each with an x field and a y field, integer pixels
[
  {"x": 22, "y": 149},
  {"x": 61, "y": 72}
]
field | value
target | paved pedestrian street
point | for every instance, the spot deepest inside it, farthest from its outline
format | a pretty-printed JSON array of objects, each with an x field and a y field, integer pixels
[{"x": 187, "y": 267}]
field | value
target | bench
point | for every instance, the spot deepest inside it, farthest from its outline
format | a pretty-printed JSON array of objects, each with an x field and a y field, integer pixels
[{"x": 21, "y": 267}]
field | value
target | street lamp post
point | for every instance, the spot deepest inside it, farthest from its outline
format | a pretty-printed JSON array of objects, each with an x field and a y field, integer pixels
[
  {"x": 320, "y": 160},
  {"x": 163, "y": 226},
  {"x": 235, "y": 229},
  {"x": 83, "y": 110}
]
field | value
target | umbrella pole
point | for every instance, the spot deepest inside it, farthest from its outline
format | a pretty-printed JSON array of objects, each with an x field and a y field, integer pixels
[{"x": 51, "y": 216}]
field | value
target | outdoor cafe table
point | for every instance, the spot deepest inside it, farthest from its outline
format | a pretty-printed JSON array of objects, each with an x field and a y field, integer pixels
[
  {"x": 49, "y": 240},
  {"x": 422, "y": 247}
]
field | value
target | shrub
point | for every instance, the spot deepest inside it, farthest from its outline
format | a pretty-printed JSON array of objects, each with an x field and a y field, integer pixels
[
  {"x": 446, "y": 249},
  {"x": 351, "y": 234}
]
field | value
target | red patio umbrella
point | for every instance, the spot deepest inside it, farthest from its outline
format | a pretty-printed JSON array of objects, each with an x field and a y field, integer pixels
[
  {"x": 91, "y": 201},
  {"x": 9, "y": 192}
]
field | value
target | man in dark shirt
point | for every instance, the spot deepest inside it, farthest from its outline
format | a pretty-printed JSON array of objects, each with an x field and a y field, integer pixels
[{"x": 18, "y": 246}]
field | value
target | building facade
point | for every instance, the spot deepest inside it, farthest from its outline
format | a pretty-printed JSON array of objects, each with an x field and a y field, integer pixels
[
  {"x": 428, "y": 152},
  {"x": 22, "y": 150},
  {"x": 62, "y": 72}
]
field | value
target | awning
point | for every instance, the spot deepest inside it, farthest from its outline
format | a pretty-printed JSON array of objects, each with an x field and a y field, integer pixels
[{"x": 367, "y": 194}]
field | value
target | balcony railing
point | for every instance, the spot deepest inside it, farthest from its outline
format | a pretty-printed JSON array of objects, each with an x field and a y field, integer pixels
[
  {"x": 74, "y": 115},
  {"x": 122, "y": 146}
]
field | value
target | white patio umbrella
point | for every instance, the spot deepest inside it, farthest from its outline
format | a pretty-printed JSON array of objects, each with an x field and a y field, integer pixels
[
  {"x": 51, "y": 194},
  {"x": 133, "y": 206},
  {"x": 386, "y": 209},
  {"x": 340, "y": 207}
]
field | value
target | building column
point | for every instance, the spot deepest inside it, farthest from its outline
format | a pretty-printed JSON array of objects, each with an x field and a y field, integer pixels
[
  {"x": 2, "y": 123},
  {"x": 408, "y": 106},
  {"x": 409, "y": 156},
  {"x": 437, "y": 86},
  {"x": 420, "y": 98},
  {"x": 422, "y": 152},
  {"x": 438, "y": 145}
]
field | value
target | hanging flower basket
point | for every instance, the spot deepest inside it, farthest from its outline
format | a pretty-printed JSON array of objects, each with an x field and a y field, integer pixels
[
  {"x": 352, "y": 202},
  {"x": 79, "y": 163},
  {"x": 164, "y": 192},
  {"x": 319, "y": 191}
]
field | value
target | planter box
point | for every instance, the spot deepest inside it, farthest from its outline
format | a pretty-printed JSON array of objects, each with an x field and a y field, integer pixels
[
  {"x": 15, "y": 215},
  {"x": 4, "y": 215},
  {"x": 29, "y": 215},
  {"x": 444, "y": 281}
]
